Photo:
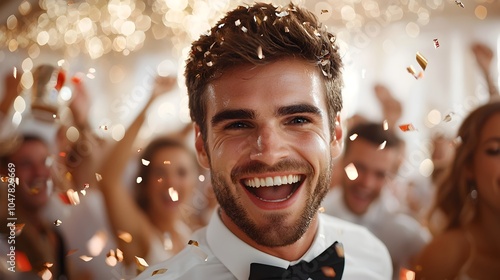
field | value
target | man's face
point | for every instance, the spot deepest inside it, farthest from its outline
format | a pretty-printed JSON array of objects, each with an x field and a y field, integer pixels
[
  {"x": 374, "y": 167},
  {"x": 269, "y": 148}
]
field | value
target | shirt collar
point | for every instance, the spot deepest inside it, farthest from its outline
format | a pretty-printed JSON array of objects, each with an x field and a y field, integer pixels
[{"x": 237, "y": 255}]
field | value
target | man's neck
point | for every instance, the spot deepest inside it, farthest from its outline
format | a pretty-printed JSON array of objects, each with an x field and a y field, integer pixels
[{"x": 290, "y": 252}]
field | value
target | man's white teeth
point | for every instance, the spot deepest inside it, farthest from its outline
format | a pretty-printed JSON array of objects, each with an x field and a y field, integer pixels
[{"x": 272, "y": 181}]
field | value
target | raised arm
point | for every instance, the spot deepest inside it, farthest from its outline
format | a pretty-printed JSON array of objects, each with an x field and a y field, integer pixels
[
  {"x": 123, "y": 212},
  {"x": 484, "y": 57}
]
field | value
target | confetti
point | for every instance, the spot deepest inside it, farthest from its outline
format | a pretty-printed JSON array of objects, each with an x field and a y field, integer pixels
[
  {"x": 45, "y": 274},
  {"x": 353, "y": 136},
  {"x": 159, "y": 271},
  {"x": 4, "y": 179},
  {"x": 83, "y": 192},
  {"x": 237, "y": 22},
  {"x": 48, "y": 264},
  {"x": 324, "y": 11},
  {"x": 138, "y": 180},
  {"x": 340, "y": 249},
  {"x": 71, "y": 252},
  {"x": 193, "y": 242},
  {"x": 459, "y": 3},
  {"x": 386, "y": 125},
  {"x": 436, "y": 43},
  {"x": 145, "y": 162},
  {"x": 282, "y": 14},
  {"x": 244, "y": 29},
  {"x": 19, "y": 228},
  {"x": 382, "y": 146},
  {"x": 407, "y": 127},
  {"x": 111, "y": 259},
  {"x": 351, "y": 171},
  {"x": 448, "y": 117},
  {"x": 259, "y": 52},
  {"x": 139, "y": 150},
  {"x": 98, "y": 177},
  {"x": 96, "y": 244},
  {"x": 57, "y": 223},
  {"x": 103, "y": 127},
  {"x": 173, "y": 194},
  {"x": 141, "y": 263},
  {"x": 15, "y": 73},
  {"x": 328, "y": 271},
  {"x": 210, "y": 64},
  {"x": 166, "y": 162},
  {"x": 457, "y": 141},
  {"x": 85, "y": 258},
  {"x": 125, "y": 236},
  {"x": 287, "y": 30},
  {"x": 321, "y": 209},
  {"x": 422, "y": 61},
  {"x": 119, "y": 255},
  {"x": 201, "y": 178},
  {"x": 406, "y": 274}
]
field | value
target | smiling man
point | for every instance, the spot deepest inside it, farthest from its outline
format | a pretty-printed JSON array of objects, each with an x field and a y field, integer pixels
[{"x": 265, "y": 94}]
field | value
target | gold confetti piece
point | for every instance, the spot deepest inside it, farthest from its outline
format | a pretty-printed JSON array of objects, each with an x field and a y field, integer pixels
[
  {"x": 73, "y": 197},
  {"x": 34, "y": 190},
  {"x": 140, "y": 263},
  {"x": 4, "y": 179},
  {"x": 85, "y": 258},
  {"x": 351, "y": 171},
  {"x": 125, "y": 236},
  {"x": 340, "y": 249},
  {"x": 57, "y": 223},
  {"x": 159, "y": 271},
  {"x": 173, "y": 194},
  {"x": 407, "y": 127},
  {"x": 210, "y": 64},
  {"x": 45, "y": 274},
  {"x": 193, "y": 242},
  {"x": 321, "y": 209},
  {"x": 411, "y": 70},
  {"x": 406, "y": 274},
  {"x": 436, "y": 43},
  {"x": 145, "y": 162},
  {"x": 328, "y": 271},
  {"x": 459, "y": 3},
  {"x": 48, "y": 264},
  {"x": 15, "y": 73},
  {"x": 166, "y": 162},
  {"x": 385, "y": 125},
  {"x": 98, "y": 177},
  {"x": 138, "y": 180},
  {"x": 119, "y": 255},
  {"x": 287, "y": 30},
  {"x": 324, "y": 11},
  {"x": 259, "y": 52},
  {"x": 422, "y": 61},
  {"x": 111, "y": 259},
  {"x": 448, "y": 117},
  {"x": 382, "y": 146}
]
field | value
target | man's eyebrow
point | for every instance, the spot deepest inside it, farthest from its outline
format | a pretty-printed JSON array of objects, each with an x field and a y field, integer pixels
[
  {"x": 232, "y": 114},
  {"x": 298, "y": 108}
]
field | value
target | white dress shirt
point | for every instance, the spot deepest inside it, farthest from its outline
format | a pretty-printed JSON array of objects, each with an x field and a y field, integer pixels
[
  {"x": 402, "y": 234},
  {"x": 222, "y": 255}
]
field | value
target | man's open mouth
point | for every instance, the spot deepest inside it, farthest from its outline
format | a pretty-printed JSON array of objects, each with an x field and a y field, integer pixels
[{"x": 273, "y": 189}]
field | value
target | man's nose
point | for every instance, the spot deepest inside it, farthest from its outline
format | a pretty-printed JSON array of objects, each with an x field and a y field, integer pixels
[{"x": 268, "y": 145}]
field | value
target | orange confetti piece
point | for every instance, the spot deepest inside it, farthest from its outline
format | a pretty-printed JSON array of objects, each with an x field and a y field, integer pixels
[
  {"x": 406, "y": 274},
  {"x": 407, "y": 127},
  {"x": 328, "y": 271},
  {"x": 125, "y": 236}
]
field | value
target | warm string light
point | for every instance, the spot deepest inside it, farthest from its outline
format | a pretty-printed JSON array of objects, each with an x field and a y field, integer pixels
[{"x": 99, "y": 27}]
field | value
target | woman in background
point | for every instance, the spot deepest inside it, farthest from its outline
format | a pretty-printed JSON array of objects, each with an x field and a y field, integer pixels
[{"x": 466, "y": 245}]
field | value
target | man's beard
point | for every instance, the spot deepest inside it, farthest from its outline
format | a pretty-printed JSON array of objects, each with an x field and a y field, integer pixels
[{"x": 275, "y": 233}]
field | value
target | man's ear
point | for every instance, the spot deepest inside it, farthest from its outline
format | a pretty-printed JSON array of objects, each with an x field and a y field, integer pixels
[
  {"x": 336, "y": 143},
  {"x": 200, "y": 148}
]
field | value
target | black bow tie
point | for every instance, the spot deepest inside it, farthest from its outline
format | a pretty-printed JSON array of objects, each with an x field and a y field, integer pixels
[{"x": 328, "y": 266}]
